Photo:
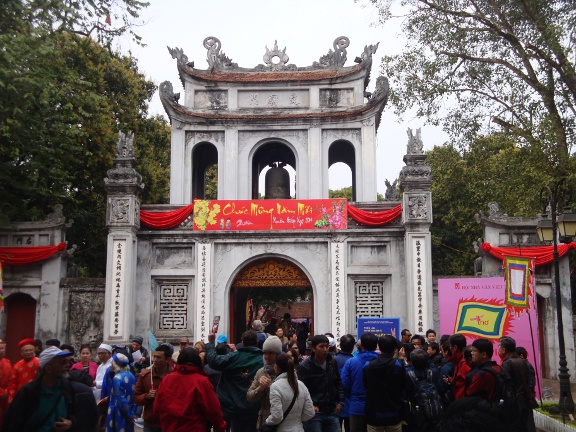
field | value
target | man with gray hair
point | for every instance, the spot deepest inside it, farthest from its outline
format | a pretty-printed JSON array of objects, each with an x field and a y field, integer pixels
[
  {"x": 258, "y": 328},
  {"x": 47, "y": 403}
]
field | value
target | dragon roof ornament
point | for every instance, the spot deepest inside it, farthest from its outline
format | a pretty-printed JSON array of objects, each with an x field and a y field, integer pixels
[{"x": 275, "y": 59}]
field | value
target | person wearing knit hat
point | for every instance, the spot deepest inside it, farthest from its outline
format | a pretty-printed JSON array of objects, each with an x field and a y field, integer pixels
[
  {"x": 260, "y": 387},
  {"x": 121, "y": 407},
  {"x": 24, "y": 370},
  {"x": 139, "y": 355}
]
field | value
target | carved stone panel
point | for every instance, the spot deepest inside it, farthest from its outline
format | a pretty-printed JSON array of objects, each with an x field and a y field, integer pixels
[
  {"x": 119, "y": 212},
  {"x": 334, "y": 98},
  {"x": 175, "y": 256},
  {"x": 369, "y": 255},
  {"x": 270, "y": 99},
  {"x": 418, "y": 207},
  {"x": 85, "y": 317},
  {"x": 369, "y": 296},
  {"x": 173, "y": 305},
  {"x": 211, "y": 99}
]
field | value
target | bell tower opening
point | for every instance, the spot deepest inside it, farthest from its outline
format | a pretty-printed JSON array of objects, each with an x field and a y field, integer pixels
[
  {"x": 204, "y": 171},
  {"x": 274, "y": 172},
  {"x": 342, "y": 152}
]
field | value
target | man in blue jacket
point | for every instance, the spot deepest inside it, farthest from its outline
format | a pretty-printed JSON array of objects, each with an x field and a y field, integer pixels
[{"x": 353, "y": 384}]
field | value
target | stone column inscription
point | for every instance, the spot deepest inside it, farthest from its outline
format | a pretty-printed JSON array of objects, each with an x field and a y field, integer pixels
[
  {"x": 338, "y": 296},
  {"x": 419, "y": 281},
  {"x": 119, "y": 291},
  {"x": 203, "y": 292}
]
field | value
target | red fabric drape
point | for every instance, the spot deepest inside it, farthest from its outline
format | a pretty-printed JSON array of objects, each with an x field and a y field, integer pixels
[
  {"x": 374, "y": 218},
  {"x": 28, "y": 254},
  {"x": 541, "y": 254},
  {"x": 165, "y": 220}
]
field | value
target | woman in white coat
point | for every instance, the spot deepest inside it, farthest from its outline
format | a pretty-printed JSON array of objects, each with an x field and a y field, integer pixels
[{"x": 282, "y": 391}]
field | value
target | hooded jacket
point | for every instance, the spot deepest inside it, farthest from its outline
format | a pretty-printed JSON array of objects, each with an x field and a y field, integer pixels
[
  {"x": 351, "y": 375},
  {"x": 186, "y": 402},
  {"x": 238, "y": 370},
  {"x": 384, "y": 379}
]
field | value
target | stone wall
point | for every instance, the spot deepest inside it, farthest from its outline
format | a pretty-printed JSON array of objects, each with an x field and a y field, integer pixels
[{"x": 85, "y": 301}]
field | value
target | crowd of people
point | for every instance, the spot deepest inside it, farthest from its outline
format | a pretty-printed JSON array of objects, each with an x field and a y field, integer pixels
[{"x": 271, "y": 381}]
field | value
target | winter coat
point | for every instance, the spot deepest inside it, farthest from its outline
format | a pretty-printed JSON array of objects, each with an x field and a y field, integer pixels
[
  {"x": 281, "y": 395},
  {"x": 351, "y": 375},
  {"x": 80, "y": 407},
  {"x": 186, "y": 402},
  {"x": 147, "y": 381},
  {"x": 324, "y": 385},
  {"x": 341, "y": 359},
  {"x": 384, "y": 379},
  {"x": 255, "y": 393},
  {"x": 238, "y": 370}
]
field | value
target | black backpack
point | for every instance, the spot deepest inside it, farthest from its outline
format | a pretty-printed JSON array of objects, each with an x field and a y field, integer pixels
[
  {"x": 505, "y": 404},
  {"x": 427, "y": 405}
]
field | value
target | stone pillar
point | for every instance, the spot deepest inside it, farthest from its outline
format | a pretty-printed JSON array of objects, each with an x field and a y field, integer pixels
[
  {"x": 203, "y": 323},
  {"x": 415, "y": 182},
  {"x": 124, "y": 186},
  {"x": 338, "y": 276}
]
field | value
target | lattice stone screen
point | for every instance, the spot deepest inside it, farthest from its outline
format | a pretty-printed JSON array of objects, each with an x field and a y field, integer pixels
[
  {"x": 369, "y": 299},
  {"x": 173, "y": 306}
]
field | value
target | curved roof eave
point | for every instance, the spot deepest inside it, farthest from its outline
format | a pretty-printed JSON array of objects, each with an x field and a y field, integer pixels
[
  {"x": 175, "y": 111},
  {"x": 331, "y": 75}
]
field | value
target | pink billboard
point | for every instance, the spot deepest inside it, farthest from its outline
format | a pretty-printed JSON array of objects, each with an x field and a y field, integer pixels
[{"x": 475, "y": 307}]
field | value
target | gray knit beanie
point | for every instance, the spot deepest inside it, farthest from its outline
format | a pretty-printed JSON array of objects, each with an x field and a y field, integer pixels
[{"x": 272, "y": 345}]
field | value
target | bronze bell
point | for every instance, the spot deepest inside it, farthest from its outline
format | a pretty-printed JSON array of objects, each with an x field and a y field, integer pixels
[{"x": 277, "y": 182}]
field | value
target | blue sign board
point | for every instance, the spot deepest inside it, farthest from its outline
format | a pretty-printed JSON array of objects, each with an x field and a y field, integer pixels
[{"x": 379, "y": 326}]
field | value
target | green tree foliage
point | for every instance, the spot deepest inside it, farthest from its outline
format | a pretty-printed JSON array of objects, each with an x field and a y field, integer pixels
[
  {"x": 346, "y": 192},
  {"x": 493, "y": 168},
  {"x": 211, "y": 182},
  {"x": 479, "y": 66},
  {"x": 65, "y": 96}
]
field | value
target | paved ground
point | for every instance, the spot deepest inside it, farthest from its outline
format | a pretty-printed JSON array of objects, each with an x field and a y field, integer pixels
[{"x": 551, "y": 389}]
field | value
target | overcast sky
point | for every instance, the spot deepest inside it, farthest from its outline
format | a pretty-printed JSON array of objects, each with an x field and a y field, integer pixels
[{"x": 306, "y": 28}]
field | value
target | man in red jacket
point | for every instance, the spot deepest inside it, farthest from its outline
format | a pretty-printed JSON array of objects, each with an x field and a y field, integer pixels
[
  {"x": 461, "y": 369},
  {"x": 147, "y": 386},
  {"x": 483, "y": 383}
]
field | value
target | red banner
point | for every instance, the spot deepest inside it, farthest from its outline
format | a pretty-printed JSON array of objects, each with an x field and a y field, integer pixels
[{"x": 266, "y": 215}]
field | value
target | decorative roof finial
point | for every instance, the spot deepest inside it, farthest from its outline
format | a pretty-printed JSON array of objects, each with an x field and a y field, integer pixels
[{"x": 125, "y": 145}]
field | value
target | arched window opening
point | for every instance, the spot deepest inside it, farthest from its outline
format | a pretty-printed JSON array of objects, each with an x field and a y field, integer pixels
[
  {"x": 278, "y": 157},
  {"x": 204, "y": 159},
  {"x": 340, "y": 181},
  {"x": 342, "y": 169}
]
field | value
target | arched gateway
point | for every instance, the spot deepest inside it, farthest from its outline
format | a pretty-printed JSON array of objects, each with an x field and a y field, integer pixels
[
  {"x": 179, "y": 268},
  {"x": 267, "y": 272}
]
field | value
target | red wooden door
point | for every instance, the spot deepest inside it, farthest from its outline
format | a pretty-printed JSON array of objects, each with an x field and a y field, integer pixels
[{"x": 20, "y": 323}]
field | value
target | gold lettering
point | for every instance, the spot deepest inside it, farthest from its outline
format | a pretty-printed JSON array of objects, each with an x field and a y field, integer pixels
[
  {"x": 304, "y": 209},
  {"x": 283, "y": 210},
  {"x": 230, "y": 208},
  {"x": 256, "y": 210}
]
